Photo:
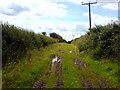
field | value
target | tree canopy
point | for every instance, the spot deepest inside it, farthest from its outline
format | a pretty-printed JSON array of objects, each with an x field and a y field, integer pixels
[{"x": 54, "y": 35}]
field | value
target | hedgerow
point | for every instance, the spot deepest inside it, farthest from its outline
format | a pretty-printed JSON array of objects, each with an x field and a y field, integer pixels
[
  {"x": 16, "y": 41},
  {"x": 101, "y": 41}
]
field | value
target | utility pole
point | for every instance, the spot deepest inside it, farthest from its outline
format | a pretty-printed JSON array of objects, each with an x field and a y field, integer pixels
[{"x": 89, "y": 11}]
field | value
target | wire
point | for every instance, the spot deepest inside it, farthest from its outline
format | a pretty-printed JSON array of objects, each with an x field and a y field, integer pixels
[{"x": 107, "y": 2}]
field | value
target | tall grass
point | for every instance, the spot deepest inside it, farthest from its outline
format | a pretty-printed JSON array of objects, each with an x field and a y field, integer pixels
[{"x": 100, "y": 48}]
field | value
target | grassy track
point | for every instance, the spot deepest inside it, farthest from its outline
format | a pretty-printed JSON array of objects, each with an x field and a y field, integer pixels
[
  {"x": 71, "y": 75},
  {"x": 36, "y": 70}
]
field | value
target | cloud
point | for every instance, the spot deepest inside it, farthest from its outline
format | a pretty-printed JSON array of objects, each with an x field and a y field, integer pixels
[
  {"x": 46, "y": 16},
  {"x": 33, "y": 15},
  {"x": 14, "y": 9},
  {"x": 111, "y": 6},
  {"x": 79, "y": 1},
  {"x": 108, "y": 1},
  {"x": 42, "y": 8},
  {"x": 100, "y": 20},
  {"x": 65, "y": 29},
  {"x": 62, "y": 28},
  {"x": 75, "y": 1},
  {"x": 69, "y": 30},
  {"x": 81, "y": 27}
]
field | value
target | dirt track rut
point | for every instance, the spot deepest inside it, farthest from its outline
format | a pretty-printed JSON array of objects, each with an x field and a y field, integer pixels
[
  {"x": 55, "y": 67},
  {"x": 100, "y": 82},
  {"x": 87, "y": 80},
  {"x": 58, "y": 73}
]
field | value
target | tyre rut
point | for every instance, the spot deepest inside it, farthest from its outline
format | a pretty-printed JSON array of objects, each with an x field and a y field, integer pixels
[
  {"x": 99, "y": 82},
  {"x": 58, "y": 73}
]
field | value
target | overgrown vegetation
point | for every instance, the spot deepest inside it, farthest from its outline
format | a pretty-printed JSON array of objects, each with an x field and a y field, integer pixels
[
  {"x": 56, "y": 36},
  {"x": 28, "y": 60},
  {"x": 16, "y": 41},
  {"x": 100, "y": 49},
  {"x": 101, "y": 41}
]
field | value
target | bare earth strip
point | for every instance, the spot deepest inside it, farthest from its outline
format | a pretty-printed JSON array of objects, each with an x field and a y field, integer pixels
[
  {"x": 58, "y": 73},
  {"x": 54, "y": 67}
]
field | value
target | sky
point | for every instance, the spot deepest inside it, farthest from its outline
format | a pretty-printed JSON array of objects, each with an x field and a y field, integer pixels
[{"x": 68, "y": 18}]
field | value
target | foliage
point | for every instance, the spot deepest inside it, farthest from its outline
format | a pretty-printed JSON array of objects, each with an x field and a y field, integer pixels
[
  {"x": 43, "y": 33},
  {"x": 100, "y": 41},
  {"x": 15, "y": 42},
  {"x": 54, "y": 35}
]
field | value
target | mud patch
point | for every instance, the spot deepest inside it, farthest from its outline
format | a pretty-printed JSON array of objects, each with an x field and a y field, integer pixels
[
  {"x": 58, "y": 72},
  {"x": 86, "y": 83},
  {"x": 55, "y": 59},
  {"x": 63, "y": 52},
  {"x": 75, "y": 52},
  {"x": 101, "y": 84},
  {"x": 54, "y": 67},
  {"x": 79, "y": 63},
  {"x": 40, "y": 84},
  {"x": 91, "y": 79}
]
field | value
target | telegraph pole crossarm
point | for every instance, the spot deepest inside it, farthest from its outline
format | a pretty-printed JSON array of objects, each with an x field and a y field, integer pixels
[{"x": 89, "y": 3}]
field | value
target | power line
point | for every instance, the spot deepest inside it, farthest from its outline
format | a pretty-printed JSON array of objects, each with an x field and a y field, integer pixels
[
  {"x": 101, "y": 1},
  {"x": 107, "y": 2}
]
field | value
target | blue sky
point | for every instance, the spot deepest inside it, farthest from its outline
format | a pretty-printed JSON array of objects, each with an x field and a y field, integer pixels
[{"x": 67, "y": 18}]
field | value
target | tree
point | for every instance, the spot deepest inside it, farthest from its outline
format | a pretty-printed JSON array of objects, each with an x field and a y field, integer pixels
[
  {"x": 43, "y": 33},
  {"x": 54, "y": 35}
]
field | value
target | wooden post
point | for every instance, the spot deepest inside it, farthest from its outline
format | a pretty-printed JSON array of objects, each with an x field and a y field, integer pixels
[{"x": 89, "y": 12}]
